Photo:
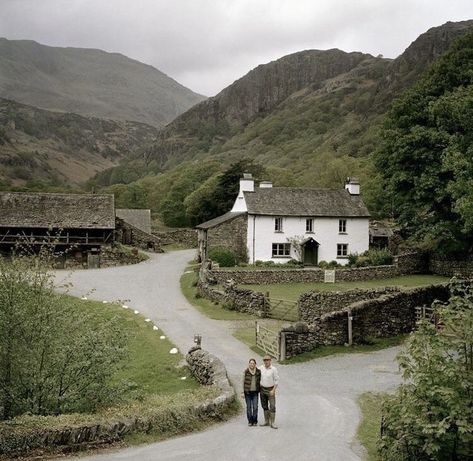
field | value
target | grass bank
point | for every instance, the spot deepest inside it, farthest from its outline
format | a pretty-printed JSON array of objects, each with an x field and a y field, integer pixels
[
  {"x": 292, "y": 291},
  {"x": 208, "y": 308},
  {"x": 369, "y": 429}
]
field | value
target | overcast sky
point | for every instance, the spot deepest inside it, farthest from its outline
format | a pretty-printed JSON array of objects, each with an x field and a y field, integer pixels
[{"x": 208, "y": 44}]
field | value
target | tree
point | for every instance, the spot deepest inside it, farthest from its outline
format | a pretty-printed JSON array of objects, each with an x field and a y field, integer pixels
[
  {"x": 54, "y": 357},
  {"x": 426, "y": 158},
  {"x": 431, "y": 415}
]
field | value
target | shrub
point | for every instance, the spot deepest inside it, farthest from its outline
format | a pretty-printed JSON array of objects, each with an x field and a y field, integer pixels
[{"x": 223, "y": 256}]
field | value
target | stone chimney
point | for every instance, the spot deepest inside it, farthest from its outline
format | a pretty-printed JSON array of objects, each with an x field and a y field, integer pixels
[
  {"x": 265, "y": 185},
  {"x": 353, "y": 186}
]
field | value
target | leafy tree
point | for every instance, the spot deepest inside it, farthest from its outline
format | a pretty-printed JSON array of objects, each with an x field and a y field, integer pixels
[
  {"x": 53, "y": 357},
  {"x": 426, "y": 157},
  {"x": 431, "y": 415}
]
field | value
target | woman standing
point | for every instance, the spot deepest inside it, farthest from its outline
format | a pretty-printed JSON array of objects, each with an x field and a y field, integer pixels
[{"x": 251, "y": 388}]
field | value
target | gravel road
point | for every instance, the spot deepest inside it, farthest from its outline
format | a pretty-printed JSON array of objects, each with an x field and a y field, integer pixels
[{"x": 317, "y": 412}]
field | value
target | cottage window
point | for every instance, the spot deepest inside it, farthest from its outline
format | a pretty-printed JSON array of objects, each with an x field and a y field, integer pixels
[
  {"x": 278, "y": 225},
  {"x": 309, "y": 225},
  {"x": 281, "y": 249},
  {"x": 342, "y": 250},
  {"x": 342, "y": 226}
]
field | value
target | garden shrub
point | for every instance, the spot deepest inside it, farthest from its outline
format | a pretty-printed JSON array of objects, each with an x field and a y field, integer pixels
[{"x": 223, "y": 256}]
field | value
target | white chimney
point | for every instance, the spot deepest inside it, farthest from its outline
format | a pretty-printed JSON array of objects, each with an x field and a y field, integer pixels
[
  {"x": 265, "y": 184},
  {"x": 247, "y": 184},
  {"x": 353, "y": 186}
]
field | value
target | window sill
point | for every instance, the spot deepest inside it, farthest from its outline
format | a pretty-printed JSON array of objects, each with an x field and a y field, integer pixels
[
  {"x": 309, "y": 232},
  {"x": 279, "y": 257},
  {"x": 278, "y": 232},
  {"x": 342, "y": 257},
  {"x": 343, "y": 233}
]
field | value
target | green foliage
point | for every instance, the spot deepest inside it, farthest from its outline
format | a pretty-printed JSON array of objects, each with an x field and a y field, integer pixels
[
  {"x": 328, "y": 265},
  {"x": 431, "y": 415},
  {"x": 223, "y": 256},
  {"x": 373, "y": 257},
  {"x": 54, "y": 358},
  {"x": 426, "y": 155}
]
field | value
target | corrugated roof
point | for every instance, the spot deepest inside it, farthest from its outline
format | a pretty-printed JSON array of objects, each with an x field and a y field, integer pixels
[
  {"x": 219, "y": 220},
  {"x": 140, "y": 219},
  {"x": 57, "y": 211},
  {"x": 287, "y": 201}
]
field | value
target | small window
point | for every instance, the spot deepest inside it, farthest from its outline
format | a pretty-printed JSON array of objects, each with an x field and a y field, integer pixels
[
  {"x": 342, "y": 250},
  {"x": 278, "y": 225},
  {"x": 342, "y": 226},
  {"x": 281, "y": 249},
  {"x": 309, "y": 225}
]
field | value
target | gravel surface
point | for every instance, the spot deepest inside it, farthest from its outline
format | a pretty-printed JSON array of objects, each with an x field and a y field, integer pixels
[{"x": 317, "y": 412}]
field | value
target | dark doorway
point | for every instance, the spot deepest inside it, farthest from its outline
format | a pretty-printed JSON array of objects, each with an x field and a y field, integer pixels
[{"x": 310, "y": 249}]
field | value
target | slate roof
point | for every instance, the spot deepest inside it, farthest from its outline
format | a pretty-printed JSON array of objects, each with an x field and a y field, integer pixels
[
  {"x": 220, "y": 219},
  {"x": 288, "y": 201},
  {"x": 140, "y": 219},
  {"x": 57, "y": 211}
]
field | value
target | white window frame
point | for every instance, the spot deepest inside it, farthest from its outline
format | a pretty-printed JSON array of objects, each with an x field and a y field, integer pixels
[
  {"x": 309, "y": 226},
  {"x": 342, "y": 250},
  {"x": 278, "y": 224},
  {"x": 342, "y": 226},
  {"x": 281, "y": 250}
]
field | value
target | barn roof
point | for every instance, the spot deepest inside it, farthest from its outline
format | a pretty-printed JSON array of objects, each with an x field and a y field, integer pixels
[
  {"x": 219, "y": 220},
  {"x": 140, "y": 219},
  {"x": 57, "y": 211},
  {"x": 289, "y": 201}
]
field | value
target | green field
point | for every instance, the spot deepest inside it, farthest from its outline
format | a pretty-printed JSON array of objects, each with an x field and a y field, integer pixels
[{"x": 292, "y": 291}]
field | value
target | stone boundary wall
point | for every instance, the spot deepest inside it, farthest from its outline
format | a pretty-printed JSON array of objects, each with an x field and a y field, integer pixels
[
  {"x": 112, "y": 257},
  {"x": 239, "y": 299},
  {"x": 413, "y": 262},
  {"x": 451, "y": 268},
  {"x": 269, "y": 276},
  {"x": 185, "y": 237},
  {"x": 206, "y": 367},
  {"x": 314, "y": 304},
  {"x": 389, "y": 315}
]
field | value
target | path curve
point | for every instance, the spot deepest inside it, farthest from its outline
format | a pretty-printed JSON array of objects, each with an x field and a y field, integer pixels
[{"x": 317, "y": 412}]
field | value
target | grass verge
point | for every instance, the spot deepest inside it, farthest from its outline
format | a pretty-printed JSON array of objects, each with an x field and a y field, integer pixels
[
  {"x": 292, "y": 291},
  {"x": 205, "y": 306},
  {"x": 368, "y": 430}
]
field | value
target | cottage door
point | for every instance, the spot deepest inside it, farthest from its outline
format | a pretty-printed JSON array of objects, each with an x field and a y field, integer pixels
[{"x": 310, "y": 251}]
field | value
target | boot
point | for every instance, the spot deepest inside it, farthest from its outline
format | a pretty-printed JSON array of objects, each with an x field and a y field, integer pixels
[
  {"x": 266, "y": 418},
  {"x": 272, "y": 417}
]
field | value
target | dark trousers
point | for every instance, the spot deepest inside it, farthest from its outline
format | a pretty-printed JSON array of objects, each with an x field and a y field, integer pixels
[
  {"x": 251, "y": 399},
  {"x": 268, "y": 402}
]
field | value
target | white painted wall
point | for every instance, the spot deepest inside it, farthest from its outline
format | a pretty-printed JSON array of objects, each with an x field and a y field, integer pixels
[{"x": 261, "y": 236}]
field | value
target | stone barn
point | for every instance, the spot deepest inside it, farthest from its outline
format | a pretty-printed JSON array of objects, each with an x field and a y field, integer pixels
[{"x": 81, "y": 223}]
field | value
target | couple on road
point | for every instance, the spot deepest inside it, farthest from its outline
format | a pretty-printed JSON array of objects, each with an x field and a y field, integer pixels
[{"x": 262, "y": 381}]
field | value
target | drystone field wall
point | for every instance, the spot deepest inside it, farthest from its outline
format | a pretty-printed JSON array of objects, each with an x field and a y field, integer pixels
[
  {"x": 235, "y": 298},
  {"x": 413, "y": 262},
  {"x": 389, "y": 315},
  {"x": 315, "y": 275},
  {"x": 314, "y": 304},
  {"x": 450, "y": 268},
  {"x": 185, "y": 237}
]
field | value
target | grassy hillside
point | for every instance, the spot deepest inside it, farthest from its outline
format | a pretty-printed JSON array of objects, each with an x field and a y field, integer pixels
[
  {"x": 62, "y": 148},
  {"x": 90, "y": 82}
]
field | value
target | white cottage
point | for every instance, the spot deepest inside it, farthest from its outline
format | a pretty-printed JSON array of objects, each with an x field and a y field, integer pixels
[{"x": 281, "y": 223}]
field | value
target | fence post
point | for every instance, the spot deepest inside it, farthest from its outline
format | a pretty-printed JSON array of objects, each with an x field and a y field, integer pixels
[
  {"x": 350, "y": 328},
  {"x": 282, "y": 346}
]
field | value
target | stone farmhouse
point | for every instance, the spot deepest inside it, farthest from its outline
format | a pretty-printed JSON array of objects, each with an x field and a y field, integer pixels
[{"x": 277, "y": 224}]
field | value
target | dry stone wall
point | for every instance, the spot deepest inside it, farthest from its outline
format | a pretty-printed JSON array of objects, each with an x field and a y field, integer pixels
[
  {"x": 451, "y": 268},
  {"x": 232, "y": 235},
  {"x": 316, "y": 303},
  {"x": 313, "y": 275},
  {"x": 185, "y": 237},
  {"x": 389, "y": 315}
]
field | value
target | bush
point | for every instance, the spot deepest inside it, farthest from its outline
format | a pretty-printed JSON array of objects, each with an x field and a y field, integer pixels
[{"x": 223, "y": 256}]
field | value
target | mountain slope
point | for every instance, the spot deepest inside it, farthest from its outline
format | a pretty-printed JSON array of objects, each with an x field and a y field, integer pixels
[
  {"x": 37, "y": 144},
  {"x": 90, "y": 82}
]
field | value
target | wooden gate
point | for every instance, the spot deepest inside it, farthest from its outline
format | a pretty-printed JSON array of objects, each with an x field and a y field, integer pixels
[
  {"x": 283, "y": 309},
  {"x": 268, "y": 340},
  {"x": 428, "y": 313}
]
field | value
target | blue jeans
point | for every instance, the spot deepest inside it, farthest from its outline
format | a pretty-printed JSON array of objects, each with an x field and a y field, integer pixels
[{"x": 251, "y": 399}]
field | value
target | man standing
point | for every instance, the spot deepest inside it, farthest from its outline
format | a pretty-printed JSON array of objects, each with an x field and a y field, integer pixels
[{"x": 269, "y": 384}]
